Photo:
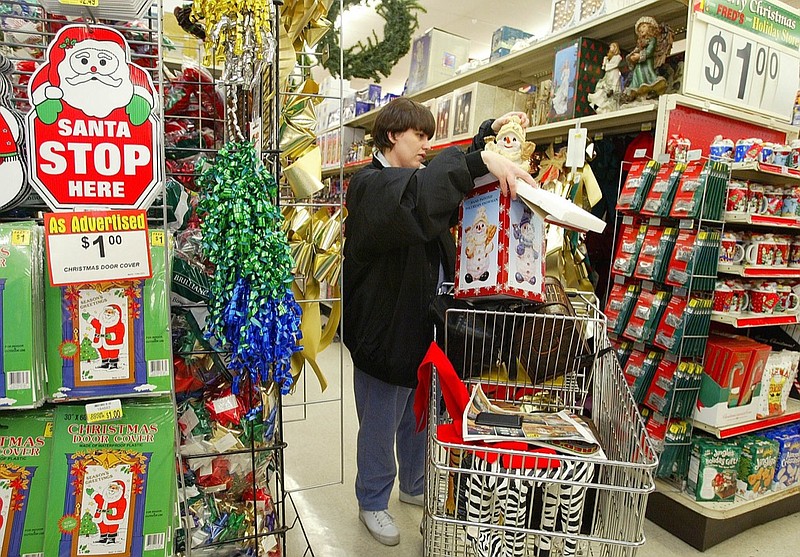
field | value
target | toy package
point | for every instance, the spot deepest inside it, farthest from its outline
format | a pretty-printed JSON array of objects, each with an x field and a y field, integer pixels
[
  {"x": 670, "y": 326},
  {"x": 646, "y": 315},
  {"x": 646, "y": 262},
  {"x": 110, "y": 339},
  {"x": 22, "y": 366},
  {"x": 712, "y": 470},
  {"x": 111, "y": 491},
  {"x": 26, "y": 439},
  {"x": 787, "y": 467}
]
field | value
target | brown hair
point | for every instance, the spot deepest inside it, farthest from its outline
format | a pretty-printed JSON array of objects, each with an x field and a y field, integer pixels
[{"x": 398, "y": 116}]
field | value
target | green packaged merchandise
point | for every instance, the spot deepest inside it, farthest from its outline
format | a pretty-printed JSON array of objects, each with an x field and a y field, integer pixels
[
  {"x": 712, "y": 470},
  {"x": 26, "y": 439},
  {"x": 110, "y": 338},
  {"x": 21, "y": 316},
  {"x": 756, "y": 467},
  {"x": 111, "y": 487}
]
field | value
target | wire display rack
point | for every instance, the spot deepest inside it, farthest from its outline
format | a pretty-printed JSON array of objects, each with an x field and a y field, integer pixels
[{"x": 481, "y": 500}]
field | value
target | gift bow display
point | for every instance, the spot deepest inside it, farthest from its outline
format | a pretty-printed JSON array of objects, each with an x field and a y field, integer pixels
[{"x": 316, "y": 244}]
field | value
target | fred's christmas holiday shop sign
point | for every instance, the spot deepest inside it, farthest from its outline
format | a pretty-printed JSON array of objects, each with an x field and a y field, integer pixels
[{"x": 93, "y": 131}]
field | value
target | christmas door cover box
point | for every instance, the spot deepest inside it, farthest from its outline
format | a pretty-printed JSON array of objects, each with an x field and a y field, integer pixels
[
  {"x": 25, "y": 443},
  {"x": 109, "y": 338},
  {"x": 21, "y": 321},
  {"x": 112, "y": 486}
]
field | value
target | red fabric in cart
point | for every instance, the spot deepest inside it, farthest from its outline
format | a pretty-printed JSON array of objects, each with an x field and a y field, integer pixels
[{"x": 456, "y": 398}]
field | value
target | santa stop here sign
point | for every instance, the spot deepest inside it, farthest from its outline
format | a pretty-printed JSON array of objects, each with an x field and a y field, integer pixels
[{"x": 94, "y": 132}]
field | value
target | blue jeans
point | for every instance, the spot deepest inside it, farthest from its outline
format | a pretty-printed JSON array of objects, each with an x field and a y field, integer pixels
[{"x": 385, "y": 417}]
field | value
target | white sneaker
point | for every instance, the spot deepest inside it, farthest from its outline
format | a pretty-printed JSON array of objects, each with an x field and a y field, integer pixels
[
  {"x": 418, "y": 500},
  {"x": 381, "y": 525}
]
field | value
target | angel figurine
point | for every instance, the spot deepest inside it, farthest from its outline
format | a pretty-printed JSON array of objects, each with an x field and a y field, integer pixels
[
  {"x": 653, "y": 45},
  {"x": 510, "y": 142},
  {"x": 606, "y": 94}
]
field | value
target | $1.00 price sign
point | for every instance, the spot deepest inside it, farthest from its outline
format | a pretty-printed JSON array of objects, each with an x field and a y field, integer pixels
[
  {"x": 104, "y": 411},
  {"x": 743, "y": 54},
  {"x": 97, "y": 246}
]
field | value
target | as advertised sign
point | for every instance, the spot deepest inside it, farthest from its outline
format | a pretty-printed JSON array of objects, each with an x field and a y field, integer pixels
[
  {"x": 97, "y": 246},
  {"x": 94, "y": 128},
  {"x": 744, "y": 53}
]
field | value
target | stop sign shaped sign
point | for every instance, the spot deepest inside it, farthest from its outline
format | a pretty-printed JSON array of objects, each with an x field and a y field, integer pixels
[{"x": 93, "y": 132}]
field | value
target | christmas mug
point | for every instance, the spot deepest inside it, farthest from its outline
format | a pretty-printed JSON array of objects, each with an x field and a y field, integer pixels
[
  {"x": 786, "y": 299},
  {"x": 773, "y": 201},
  {"x": 731, "y": 249},
  {"x": 766, "y": 300},
  {"x": 794, "y": 253},
  {"x": 736, "y": 201},
  {"x": 730, "y": 297},
  {"x": 760, "y": 251},
  {"x": 755, "y": 199}
]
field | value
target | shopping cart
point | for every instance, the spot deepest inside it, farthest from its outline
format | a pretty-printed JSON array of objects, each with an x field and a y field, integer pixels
[{"x": 483, "y": 501}]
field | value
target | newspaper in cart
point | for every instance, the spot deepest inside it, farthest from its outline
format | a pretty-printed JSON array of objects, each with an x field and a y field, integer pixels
[{"x": 562, "y": 430}]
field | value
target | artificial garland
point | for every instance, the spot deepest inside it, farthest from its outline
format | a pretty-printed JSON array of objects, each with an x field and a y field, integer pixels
[
  {"x": 251, "y": 306},
  {"x": 377, "y": 58}
]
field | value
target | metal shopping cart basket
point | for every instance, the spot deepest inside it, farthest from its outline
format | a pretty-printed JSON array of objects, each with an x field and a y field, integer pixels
[{"x": 485, "y": 501}]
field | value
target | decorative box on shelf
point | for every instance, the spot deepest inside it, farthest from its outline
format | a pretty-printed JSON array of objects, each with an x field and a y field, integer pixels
[
  {"x": 434, "y": 58},
  {"x": 478, "y": 102},
  {"x": 443, "y": 112},
  {"x": 568, "y": 13},
  {"x": 577, "y": 69},
  {"x": 503, "y": 40}
]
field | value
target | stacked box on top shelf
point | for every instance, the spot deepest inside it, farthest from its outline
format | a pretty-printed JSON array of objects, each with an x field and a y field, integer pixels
[
  {"x": 435, "y": 56},
  {"x": 22, "y": 366},
  {"x": 578, "y": 68},
  {"x": 110, "y": 339}
]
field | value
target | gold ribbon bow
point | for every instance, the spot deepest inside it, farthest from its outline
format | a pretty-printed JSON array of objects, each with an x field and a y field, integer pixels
[
  {"x": 551, "y": 166},
  {"x": 298, "y": 121},
  {"x": 316, "y": 244},
  {"x": 302, "y": 21}
]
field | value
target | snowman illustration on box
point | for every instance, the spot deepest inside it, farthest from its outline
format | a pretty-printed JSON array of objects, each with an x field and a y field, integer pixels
[
  {"x": 13, "y": 181},
  {"x": 478, "y": 246},
  {"x": 528, "y": 257}
]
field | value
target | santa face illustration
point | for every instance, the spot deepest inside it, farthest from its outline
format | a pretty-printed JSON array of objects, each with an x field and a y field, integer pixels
[
  {"x": 95, "y": 78},
  {"x": 89, "y": 69}
]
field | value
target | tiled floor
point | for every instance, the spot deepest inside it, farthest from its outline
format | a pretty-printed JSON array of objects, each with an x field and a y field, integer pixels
[{"x": 321, "y": 437}]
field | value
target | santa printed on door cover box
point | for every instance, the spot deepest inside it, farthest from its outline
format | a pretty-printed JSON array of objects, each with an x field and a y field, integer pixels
[
  {"x": 110, "y": 490},
  {"x": 501, "y": 250},
  {"x": 109, "y": 338}
]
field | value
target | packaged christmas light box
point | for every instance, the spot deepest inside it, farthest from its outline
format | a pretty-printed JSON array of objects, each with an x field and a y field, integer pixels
[
  {"x": 111, "y": 489},
  {"x": 22, "y": 375},
  {"x": 110, "y": 338},
  {"x": 26, "y": 439}
]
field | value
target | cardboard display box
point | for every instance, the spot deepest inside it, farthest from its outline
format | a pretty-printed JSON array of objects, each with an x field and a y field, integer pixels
[
  {"x": 501, "y": 249},
  {"x": 477, "y": 102},
  {"x": 503, "y": 39},
  {"x": 577, "y": 69},
  {"x": 434, "y": 58}
]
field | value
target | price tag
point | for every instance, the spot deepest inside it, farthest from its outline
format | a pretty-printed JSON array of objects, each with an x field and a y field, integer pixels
[
  {"x": 48, "y": 430},
  {"x": 745, "y": 61},
  {"x": 20, "y": 237},
  {"x": 87, "y": 3},
  {"x": 97, "y": 246},
  {"x": 104, "y": 411}
]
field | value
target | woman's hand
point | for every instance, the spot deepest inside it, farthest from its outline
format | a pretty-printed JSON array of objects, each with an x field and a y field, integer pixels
[
  {"x": 504, "y": 119},
  {"x": 506, "y": 172}
]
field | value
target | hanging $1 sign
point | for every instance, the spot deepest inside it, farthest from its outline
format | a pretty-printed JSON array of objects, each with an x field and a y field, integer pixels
[
  {"x": 744, "y": 53},
  {"x": 93, "y": 128}
]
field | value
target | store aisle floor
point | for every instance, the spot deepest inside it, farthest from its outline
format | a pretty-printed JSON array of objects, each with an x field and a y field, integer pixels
[{"x": 318, "y": 438}]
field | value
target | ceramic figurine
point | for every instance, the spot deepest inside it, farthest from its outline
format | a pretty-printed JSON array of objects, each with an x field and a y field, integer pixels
[
  {"x": 653, "y": 44},
  {"x": 606, "y": 94},
  {"x": 561, "y": 93},
  {"x": 510, "y": 142},
  {"x": 543, "y": 102}
]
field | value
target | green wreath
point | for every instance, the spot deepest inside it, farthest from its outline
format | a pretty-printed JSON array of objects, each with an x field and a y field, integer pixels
[{"x": 376, "y": 58}]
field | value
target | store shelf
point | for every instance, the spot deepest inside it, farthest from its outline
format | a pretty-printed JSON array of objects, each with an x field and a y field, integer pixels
[
  {"x": 762, "y": 220},
  {"x": 764, "y": 173},
  {"x": 704, "y": 525},
  {"x": 536, "y": 62},
  {"x": 791, "y": 415},
  {"x": 753, "y": 271},
  {"x": 352, "y": 167},
  {"x": 633, "y": 119},
  {"x": 749, "y": 320}
]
